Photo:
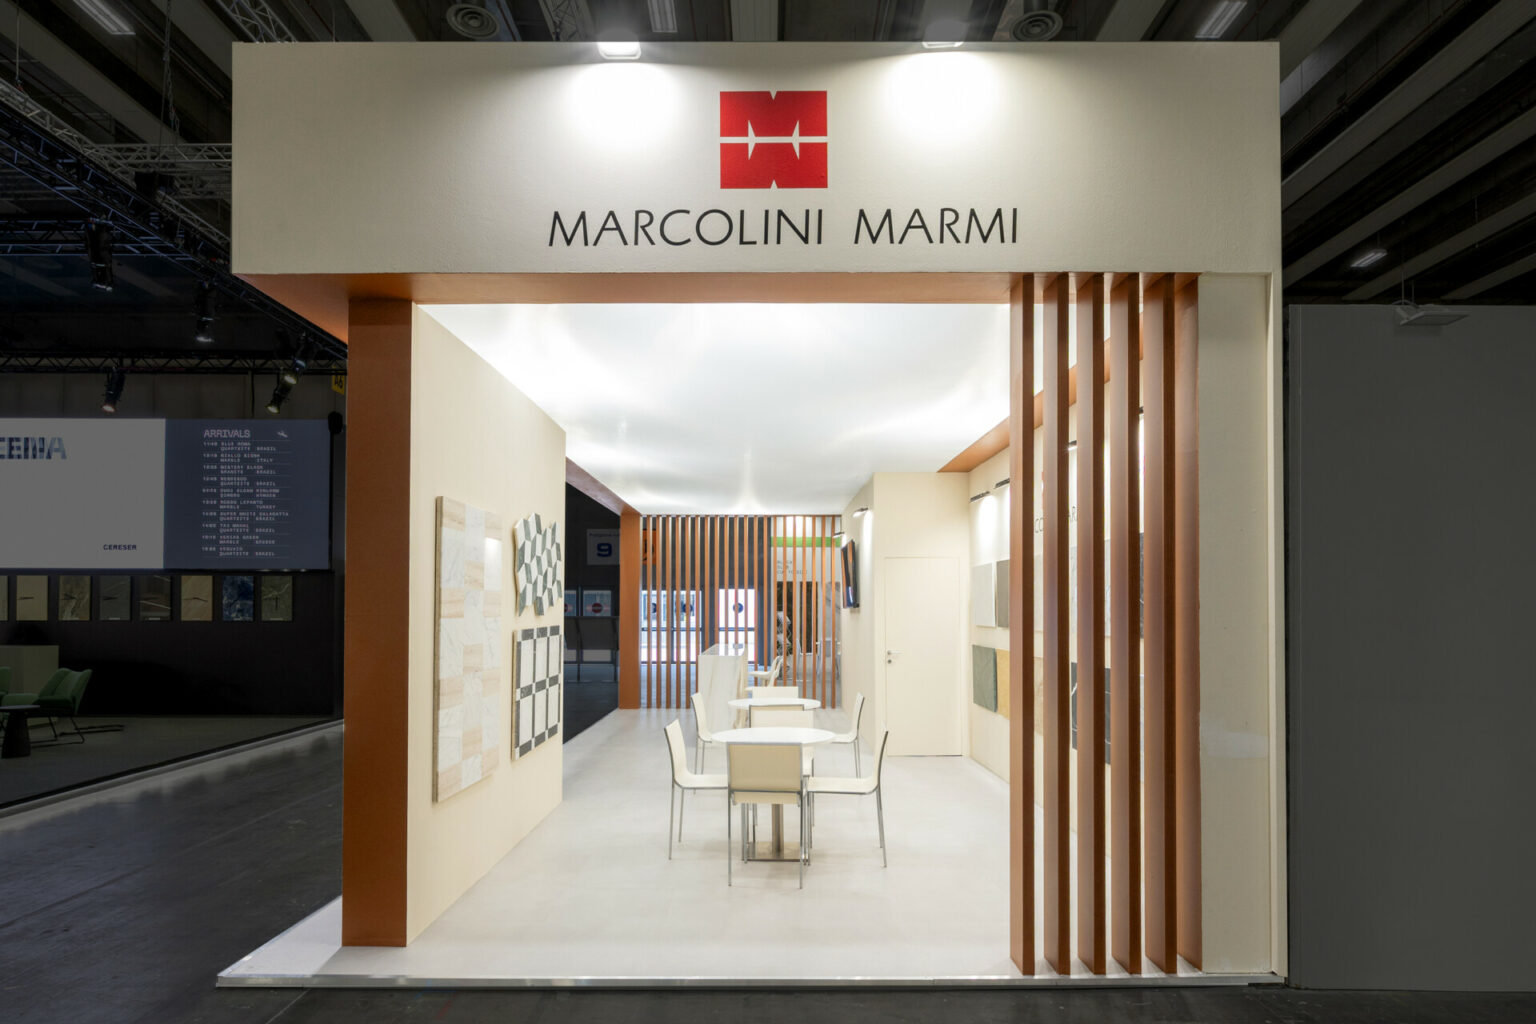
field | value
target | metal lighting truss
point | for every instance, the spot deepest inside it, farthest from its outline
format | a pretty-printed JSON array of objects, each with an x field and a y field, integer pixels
[
  {"x": 257, "y": 20},
  {"x": 568, "y": 20},
  {"x": 33, "y": 361},
  {"x": 57, "y": 162}
]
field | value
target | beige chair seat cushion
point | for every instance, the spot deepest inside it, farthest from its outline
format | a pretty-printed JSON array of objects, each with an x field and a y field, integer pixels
[{"x": 832, "y": 784}]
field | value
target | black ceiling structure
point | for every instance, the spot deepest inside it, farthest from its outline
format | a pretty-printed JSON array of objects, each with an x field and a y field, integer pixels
[{"x": 1408, "y": 142}]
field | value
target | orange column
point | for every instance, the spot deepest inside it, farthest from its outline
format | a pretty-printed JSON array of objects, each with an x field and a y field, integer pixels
[
  {"x": 1186, "y": 543},
  {"x": 1021, "y": 624},
  {"x": 629, "y": 610},
  {"x": 1090, "y": 621},
  {"x": 1125, "y": 630},
  {"x": 377, "y": 625}
]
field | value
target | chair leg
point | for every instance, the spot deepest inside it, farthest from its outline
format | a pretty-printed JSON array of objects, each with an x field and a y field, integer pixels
[
  {"x": 671, "y": 797},
  {"x": 802, "y": 844},
  {"x": 858, "y": 769},
  {"x": 698, "y": 757},
  {"x": 730, "y": 854},
  {"x": 681, "y": 793},
  {"x": 880, "y": 816}
]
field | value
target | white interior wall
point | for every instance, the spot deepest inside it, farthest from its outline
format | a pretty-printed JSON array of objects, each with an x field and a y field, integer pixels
[
  {"x": 856, "y": 629},
  {"x": 475, "y": 438},
  {"x": 988, "y": 741}
]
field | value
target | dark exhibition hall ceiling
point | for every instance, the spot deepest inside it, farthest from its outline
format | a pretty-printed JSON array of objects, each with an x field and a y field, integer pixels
[{"x": 1408, "y": 141}]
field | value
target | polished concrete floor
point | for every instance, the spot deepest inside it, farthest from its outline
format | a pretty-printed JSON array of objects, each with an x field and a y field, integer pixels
[
  {"x": 139, "y": 897},
  {"x": 142, "y": 742}
]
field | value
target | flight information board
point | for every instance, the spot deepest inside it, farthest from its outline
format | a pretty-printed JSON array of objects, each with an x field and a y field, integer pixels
[{"x": 116, "y": 494}]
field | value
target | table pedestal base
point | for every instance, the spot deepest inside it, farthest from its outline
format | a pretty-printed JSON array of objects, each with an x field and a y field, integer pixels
[{"x": 775, "y": 848}]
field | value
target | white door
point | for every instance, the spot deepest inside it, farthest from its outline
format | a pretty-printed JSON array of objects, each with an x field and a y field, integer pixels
[{"x": 922, "y": 655}]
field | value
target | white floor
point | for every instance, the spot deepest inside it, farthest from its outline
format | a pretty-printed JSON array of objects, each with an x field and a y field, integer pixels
[{"x": 589, "y": 896}]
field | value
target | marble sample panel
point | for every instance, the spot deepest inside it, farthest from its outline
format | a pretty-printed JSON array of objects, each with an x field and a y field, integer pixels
[
  {"x": 116, "y": 598},
  {"x": 154, "y": 599},
  {"x": 1004, "y": 698},
  {"x": 1002, "y": 594},
  {"x": 239, "y": 604},
  {"x": 467, "y": 667},
  {"x": 74, "y": 599},
  {"x": 540, "y": 565},
  {"x": 536, "y": 706},
  {"x": 277, "y": 598},
  {"x": 197, "y": 599},
  {"x": 983, "y": 595},
  {"x": 984, "y": 677},
  {"x": 31, "y": 598}
]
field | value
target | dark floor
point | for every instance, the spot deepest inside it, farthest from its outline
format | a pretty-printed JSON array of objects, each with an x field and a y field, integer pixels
[
  {"x": 133, "y": 903},
  {"x": 589, "y": 697},
  {"x": 142, "y": 742}
]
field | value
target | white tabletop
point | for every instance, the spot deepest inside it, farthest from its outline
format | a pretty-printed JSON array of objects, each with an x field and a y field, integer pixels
[
  {"x": 775, "y": 734},
  {"x": 807, "y": 703}
]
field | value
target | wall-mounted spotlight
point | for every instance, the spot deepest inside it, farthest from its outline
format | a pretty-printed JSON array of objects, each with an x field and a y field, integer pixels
[
  {"x": 280, "y": 395},
  {"x": 117, "y": 379},
  {"x": 946, "y": 34},
  {"x": 98, "y": 249},
  {"x": 297, "y": 364},
  {"x": 1004, "y": 482},
  {"x": 618, "y": 46},
  {"x": 978, "y": 497},
  {"x": 207, "y": 313},
  {"x": 861, "y": 510},
  {"x": 1071, "y": 445}
]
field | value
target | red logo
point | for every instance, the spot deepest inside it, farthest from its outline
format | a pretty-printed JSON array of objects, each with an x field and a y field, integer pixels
[{"x": 772, "y": 140}]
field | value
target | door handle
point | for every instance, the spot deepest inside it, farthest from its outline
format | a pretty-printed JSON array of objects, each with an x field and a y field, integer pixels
[{"x": 889, "y": 654}]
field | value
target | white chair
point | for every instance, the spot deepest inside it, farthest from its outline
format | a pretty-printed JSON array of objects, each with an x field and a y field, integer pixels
[
  {"x": 862, "y": 786},
  {"x": 852, "y": 735},
  {"x": 791, "y": 717},
  {"x": 762, "y": 773},
  {"x": 683, "y": 780},
  {"x": 773, "y": 691},
  {"x": 703, "y": 733},
  {"x": 766, "y": 676}
]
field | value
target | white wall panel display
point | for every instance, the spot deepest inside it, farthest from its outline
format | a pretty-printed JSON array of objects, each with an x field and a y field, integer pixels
[
  {"x": 536, "y": 711},
  {"x": 983, "y": 594},
  {"x": 468, "y": 667},
  {"x": 540, "y": 565}
]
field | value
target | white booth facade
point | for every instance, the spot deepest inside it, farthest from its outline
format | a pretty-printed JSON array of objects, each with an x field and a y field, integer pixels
[{"x": 1109, "y": 181}]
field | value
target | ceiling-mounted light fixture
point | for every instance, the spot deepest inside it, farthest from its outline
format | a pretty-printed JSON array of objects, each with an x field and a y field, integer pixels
[
  {"x": 280, "y": 395},
  {"x": 977, "y": 497},
  {"x": 98, "y": 249},
  {"x": 1369, "y": 258},
  {"x": 298, "y": 364},
  {"x": 945, "y": 34},
  {"x": 1004, "y": 482},
  {"x": 618, "y": 46},
  {"x": 663, "y": 15},
  {"x": 207, "y": 312},
  {"x": 1222, "y": 15},
  {"x": 106, "y": 16},
  {"x": 117, "y": 379},
  {"x": 1411, "y": 314}
]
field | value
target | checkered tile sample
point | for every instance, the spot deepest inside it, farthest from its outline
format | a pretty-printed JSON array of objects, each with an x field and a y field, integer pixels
[
  {"x": 540, "y": 567},
  {"x": 536, "y": 712},
  {"x": 468, "y": 669}
]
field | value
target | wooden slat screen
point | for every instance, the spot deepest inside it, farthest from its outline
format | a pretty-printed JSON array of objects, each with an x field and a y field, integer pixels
[
  {"x": 1021, "y": 623},
  {"x": 696, "y": 569},
  {"x": 1153, "y": 823}
]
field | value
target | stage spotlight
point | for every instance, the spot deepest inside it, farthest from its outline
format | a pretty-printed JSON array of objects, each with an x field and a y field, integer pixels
[
  {"x": 207, "y": 313},
  {"x": 279, "y": 395},
  {"x": 98, "y": 249},
  {"x": 113, "y": 393}
]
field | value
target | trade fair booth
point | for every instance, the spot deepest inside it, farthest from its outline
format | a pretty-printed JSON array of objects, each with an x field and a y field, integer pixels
[{"x": 1116, "y": 514}]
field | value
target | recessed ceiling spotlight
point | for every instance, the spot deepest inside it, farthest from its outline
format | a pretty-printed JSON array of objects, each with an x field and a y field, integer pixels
[
  {"x": 1222, "y": 15},
  {"x": 1369, "y": 258},
  {"x": 617, "y": 46},
  {"x": 946, "y": 34},
  {"x": 105, "y": 15},
  {"x": 663, "y": 15}
]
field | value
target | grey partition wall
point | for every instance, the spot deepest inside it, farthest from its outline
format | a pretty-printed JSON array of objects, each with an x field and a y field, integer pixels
[{"x": 1411, "y": 593}]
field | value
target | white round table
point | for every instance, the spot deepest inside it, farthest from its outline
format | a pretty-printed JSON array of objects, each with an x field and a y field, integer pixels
[
  {"x": 746, "y": 703},
  {"x": 776, "y": 734}
]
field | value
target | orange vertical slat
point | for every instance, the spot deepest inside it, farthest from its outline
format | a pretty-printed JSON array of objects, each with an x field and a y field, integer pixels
[
  {"x": 834, "y": 684},
  {"x": 1186, "y": 545},
  {"x": 799, "y": 634},
  {"x": 1056, "y": 698},
  {"x": 1090, "y": 621},
  {"x": 690, "y": 676},
  {"x": 817, "y": 558},
  {"x": 1021, "y": 624},
  {"x": 1161, "y": 876},
  {"x": 672, "y": 645},
  {"x": 629, "y": 610},
  {"x": 1125, "y": 631}
]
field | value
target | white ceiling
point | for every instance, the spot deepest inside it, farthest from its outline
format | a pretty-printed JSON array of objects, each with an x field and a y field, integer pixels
[{"x": 747, "y": 408}]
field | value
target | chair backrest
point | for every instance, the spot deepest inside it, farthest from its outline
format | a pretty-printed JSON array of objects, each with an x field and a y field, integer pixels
[
  {"x": 880, "y": 757},
  {"x": 75, "y": 690},
  {"x": 763, "y": 767},
  {"x": 675, "y": 747},
  {"x": 700, "y": 719},
  {"x": 858, "y": 713},
  {"x": 773, "y": 669},
  {"x": 794, "y": 717},
  {"x": 54, "y": 687},
  {"x": 773, "y": 691}
]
